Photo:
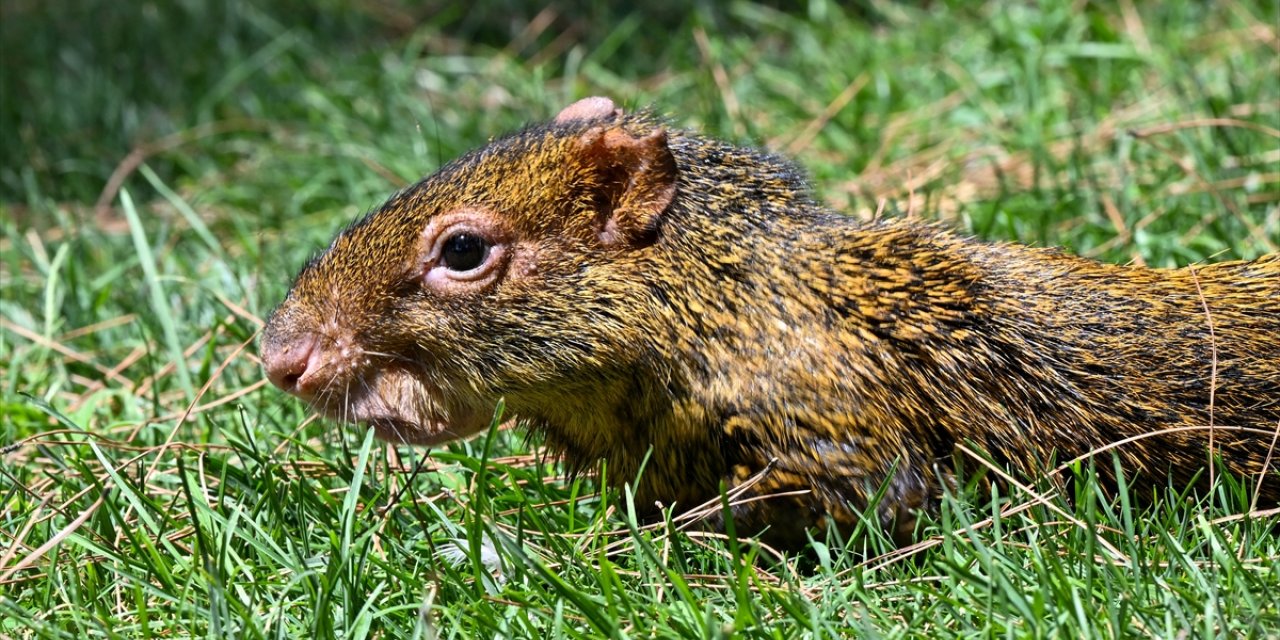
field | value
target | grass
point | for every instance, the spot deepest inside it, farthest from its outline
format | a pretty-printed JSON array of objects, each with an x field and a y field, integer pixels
[{"x": 168, "y": 166}]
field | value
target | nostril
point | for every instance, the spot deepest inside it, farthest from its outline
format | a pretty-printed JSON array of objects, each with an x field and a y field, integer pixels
[{"x": 288, "y": 363}]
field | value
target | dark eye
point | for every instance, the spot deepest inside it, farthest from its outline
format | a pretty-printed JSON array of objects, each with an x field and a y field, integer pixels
[{"x": 464, "y": 252}]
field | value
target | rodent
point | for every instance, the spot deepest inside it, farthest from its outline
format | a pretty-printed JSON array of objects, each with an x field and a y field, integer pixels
[{"x": 633, "y": 290}]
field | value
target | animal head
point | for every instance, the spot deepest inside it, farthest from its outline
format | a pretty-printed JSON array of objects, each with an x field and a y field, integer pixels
[{"x": 498, "y": 276}]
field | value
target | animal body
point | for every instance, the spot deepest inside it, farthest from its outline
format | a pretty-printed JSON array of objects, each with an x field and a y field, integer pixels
[{"x": 636, "y": 291}]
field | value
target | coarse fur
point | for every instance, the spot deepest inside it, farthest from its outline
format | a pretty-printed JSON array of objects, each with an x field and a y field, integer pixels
[{"x": 658, "y": 293}]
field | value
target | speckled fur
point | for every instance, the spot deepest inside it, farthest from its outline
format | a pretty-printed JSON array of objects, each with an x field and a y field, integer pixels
[{"x": 752, "y": 324}]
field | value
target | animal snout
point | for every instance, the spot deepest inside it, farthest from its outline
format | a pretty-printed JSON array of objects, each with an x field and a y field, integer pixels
[{"x": 290, "y": 364}]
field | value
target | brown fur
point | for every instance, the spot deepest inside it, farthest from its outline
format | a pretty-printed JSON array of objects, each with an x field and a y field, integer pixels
[{"x": 664, "y": 292}]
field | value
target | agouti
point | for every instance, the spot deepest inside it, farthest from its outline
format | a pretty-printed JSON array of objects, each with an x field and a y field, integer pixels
[{"x": 633, "y": 290}]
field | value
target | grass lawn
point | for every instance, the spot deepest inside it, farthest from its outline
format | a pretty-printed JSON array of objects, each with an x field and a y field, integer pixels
[{"x": 167, "y": 167}]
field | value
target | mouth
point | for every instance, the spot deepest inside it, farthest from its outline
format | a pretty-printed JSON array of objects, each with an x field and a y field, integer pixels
[{"x": 401, "y": 408}]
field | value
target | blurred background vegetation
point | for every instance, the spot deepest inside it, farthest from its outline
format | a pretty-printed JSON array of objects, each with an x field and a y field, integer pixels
[{"x": 1026, "y": 109}]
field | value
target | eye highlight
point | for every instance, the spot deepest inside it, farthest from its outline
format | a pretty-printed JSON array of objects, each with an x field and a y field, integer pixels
[{"x": 464, "y": 251}]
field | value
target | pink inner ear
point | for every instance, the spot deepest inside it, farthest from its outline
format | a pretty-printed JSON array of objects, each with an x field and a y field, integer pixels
[{"x": 593, "y": 108}]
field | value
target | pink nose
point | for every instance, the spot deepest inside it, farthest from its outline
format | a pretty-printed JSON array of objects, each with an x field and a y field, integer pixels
[{"x": 287, "y": 364}]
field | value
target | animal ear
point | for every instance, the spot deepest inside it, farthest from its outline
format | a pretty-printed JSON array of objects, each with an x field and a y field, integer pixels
[
  {"x": 636, "y": 182},
  {"x": 587, "y": 109}
]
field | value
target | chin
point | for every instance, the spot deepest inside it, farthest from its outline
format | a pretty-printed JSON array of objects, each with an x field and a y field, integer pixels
[{"x": 427, "y": 433}]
